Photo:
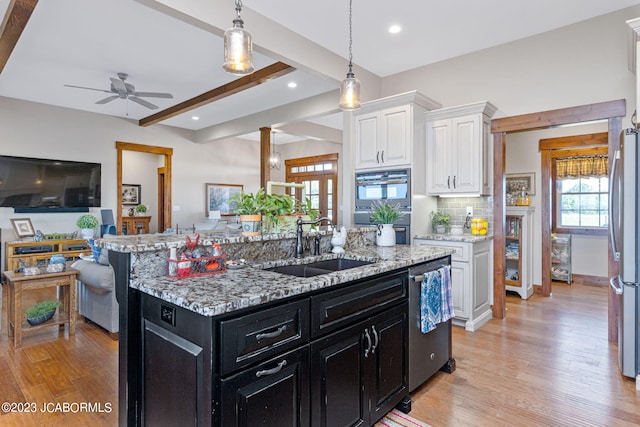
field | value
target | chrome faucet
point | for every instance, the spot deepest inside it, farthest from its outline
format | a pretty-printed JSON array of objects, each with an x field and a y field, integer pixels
[{"x": 300, "y": 223}]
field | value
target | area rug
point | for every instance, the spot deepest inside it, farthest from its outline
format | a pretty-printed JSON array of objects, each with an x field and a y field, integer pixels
[{"x": 396, "y": 418}]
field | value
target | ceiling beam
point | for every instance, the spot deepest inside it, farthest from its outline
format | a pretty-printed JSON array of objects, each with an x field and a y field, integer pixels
[
  {"x": 263, "y": 75},
  {"x": 16, "y": 18}
]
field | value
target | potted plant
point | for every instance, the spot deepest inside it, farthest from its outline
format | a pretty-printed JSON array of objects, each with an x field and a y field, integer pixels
[
  {"x": 87, "y": 224},
  {"x": 141, "y": 209},
  {"x": 308, "y": 213},
  {"x": 249, "y": 206},
  {"x": 276, "y": 208},
  {"x": 440, "y": 222},
  {"x": 42, "y": 311},
  {"x": 384, "y": 214}
]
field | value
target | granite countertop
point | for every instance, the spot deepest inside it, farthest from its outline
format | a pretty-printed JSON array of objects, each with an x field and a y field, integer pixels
[
  {"x": 468, "y": 238},
  {"x": 251, "y": 285}
]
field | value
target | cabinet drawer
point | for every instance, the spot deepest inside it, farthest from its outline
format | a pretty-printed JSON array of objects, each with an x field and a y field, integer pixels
[
  {"x": 462, "y": 250},
  {"x": 253, "y": 337},
  {"x": 335, "y": 309}
]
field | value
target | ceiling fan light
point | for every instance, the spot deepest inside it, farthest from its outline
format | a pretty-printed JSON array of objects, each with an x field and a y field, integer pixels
[
  {"x": 350, "y": 93},
  {"x": 238, "y": 48}
]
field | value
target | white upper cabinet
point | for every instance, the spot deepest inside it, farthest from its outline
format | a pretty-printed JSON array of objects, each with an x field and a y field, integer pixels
[
  {"x": 386, "y": 134},
  {"x": 383, "y": 138},
  {"x": 460, "y": 150}
]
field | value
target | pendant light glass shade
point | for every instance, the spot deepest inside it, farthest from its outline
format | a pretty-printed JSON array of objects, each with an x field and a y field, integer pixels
[
  {"x": 238, "y": 48},
  {"x": 350, "y": 86},
  {"x": 350, "y": 93}
]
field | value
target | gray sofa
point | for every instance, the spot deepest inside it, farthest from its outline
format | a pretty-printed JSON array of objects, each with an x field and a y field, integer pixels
[{"x": 96, "y": 293}]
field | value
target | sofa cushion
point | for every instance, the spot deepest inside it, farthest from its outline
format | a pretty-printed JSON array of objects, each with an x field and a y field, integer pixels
[
  {"x": 104, "y": 257},
  {"x": 98, "y": 276}
]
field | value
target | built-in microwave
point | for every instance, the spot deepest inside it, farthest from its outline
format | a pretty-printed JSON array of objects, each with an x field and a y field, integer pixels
[{"x": 391, "y": 185}]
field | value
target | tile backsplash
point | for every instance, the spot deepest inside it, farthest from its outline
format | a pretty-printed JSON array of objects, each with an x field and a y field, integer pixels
[{"x": 457, "y": 208}]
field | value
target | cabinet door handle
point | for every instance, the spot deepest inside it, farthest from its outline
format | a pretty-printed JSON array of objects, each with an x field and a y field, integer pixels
[
  {"x": 382, "y": 157},
  {"x": 454, "y": 181},
  {"x": 368, "y": 337},
  {"x": 376, "y": 339},
  {"x": 377, "y": 157},
  {"x": 448, "y": 181},
  {"x": 272, "y": 370},
  {"x": 273, "y": 334}
]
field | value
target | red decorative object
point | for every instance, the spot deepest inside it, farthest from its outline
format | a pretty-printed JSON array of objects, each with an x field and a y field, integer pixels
[{"x": 196, "y": 267}]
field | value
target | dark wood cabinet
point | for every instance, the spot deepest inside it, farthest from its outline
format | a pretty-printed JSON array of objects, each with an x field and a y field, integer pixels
[
  {"x": 274, "y": 393},
  {"x": 360, "y": 373},
  {"x": 176, "y": 359}
]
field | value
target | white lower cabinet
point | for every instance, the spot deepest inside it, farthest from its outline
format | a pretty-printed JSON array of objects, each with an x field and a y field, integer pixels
[{"x": 471, "y": 280}]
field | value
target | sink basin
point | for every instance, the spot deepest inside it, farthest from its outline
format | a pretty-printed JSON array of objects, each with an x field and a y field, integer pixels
[
  {"x": 303, "y": 270},
  {"x": 320, "y": 267}
]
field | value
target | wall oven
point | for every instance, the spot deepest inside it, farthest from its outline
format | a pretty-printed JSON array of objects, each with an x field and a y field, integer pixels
[{"x": 390, "y": 185}]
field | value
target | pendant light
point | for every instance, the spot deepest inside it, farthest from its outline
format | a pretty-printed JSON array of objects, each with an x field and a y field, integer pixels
[
  {"x": 275, "y": 160},
  {"x": 350, "y": 86},
  {"x": 238, "y": 47}
]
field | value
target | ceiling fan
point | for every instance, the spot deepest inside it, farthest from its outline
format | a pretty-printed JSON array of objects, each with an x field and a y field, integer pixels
[{"x": 123, "y": 90}]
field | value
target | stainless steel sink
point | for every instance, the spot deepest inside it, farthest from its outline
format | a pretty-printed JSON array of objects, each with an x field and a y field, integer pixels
[{"x": 319, "y": 267}]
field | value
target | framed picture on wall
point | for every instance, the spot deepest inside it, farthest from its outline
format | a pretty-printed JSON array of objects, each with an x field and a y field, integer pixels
[
  {"x": 516, "y": 182},
  {"x": 23, "y": 227},
  {"x": 131, "y": 194},
  {"x": 217, "y": 198}
]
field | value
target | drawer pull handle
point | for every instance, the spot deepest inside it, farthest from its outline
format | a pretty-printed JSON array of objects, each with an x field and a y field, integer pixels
[
  {"x": 273, "y": 334},
  {"x": 272, "y": 370},
  {"x": 376, "y": 339},
  {"x": 368, "y": 337}
]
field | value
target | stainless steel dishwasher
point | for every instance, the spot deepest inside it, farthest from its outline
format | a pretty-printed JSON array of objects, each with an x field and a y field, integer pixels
[{"x": 428, "y": 352}]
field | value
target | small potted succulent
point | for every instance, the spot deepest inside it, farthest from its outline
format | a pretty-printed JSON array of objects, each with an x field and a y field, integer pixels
[
  {"x": 384, "y": 214},
  {"x": 42, "y": 311},
  {"x": 250, "y": 207},
  {"x": 141, "y": 209},
  {"x": 440, "y": 221},
  {"x": 87, "y": 224}
]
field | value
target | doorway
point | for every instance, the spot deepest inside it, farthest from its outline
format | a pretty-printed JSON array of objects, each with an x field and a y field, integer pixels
[
  {"x": 164, "y": 181},
  {"x": 613, "y": 112}
]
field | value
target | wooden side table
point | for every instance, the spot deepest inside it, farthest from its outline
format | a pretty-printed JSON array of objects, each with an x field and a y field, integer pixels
[{"x": 18, "y": 283}]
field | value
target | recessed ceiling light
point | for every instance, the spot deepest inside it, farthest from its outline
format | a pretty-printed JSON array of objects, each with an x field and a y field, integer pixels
[
  {"x": 395, "y": 29},
  {"x": 292, "y": 85},
  {"x": 195, "y": 118}
]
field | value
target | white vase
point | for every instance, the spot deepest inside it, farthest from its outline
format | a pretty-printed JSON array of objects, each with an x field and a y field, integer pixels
[
  {"x": 386, "y": 235},
  {"x": 87, "y": 233}
]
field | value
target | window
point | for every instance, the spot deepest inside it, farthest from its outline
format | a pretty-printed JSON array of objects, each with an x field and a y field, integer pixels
[
  {"x": 319, "y": 174},
  {"x": 581, "y": 194}
]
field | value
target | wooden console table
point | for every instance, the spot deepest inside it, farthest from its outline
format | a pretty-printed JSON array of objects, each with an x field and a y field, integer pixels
[
  {"x": 19, "y": 283},
  {"x": 135, "y": 224}
]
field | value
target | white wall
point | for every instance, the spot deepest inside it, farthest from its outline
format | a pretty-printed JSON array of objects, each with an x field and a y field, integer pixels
[{"x": 37, "y": 130}]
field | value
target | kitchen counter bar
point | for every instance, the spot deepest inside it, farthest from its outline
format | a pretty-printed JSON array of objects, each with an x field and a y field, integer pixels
[{"x": 250, "y": 286}]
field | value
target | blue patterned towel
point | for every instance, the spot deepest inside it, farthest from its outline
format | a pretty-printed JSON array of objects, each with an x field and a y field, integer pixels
[
  {"x": 436, "y": 304},
  {"x": 447, "y": 299}
]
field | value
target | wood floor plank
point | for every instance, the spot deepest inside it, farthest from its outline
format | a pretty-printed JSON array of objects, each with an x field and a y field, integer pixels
[{"x": 548, "y": 363}]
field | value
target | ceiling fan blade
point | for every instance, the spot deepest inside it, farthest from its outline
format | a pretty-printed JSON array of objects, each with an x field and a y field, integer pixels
[
  {"x": 153, "y": 94},
  {"x": 119, "y": 85},
  {"x": 90, "y": 88},
  {"x": 143, "y": 102},
  {"x": 108, "y": 99}
]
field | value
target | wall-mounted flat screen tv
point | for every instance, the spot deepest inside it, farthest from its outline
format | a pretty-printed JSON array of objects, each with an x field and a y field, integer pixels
[{"x": 46, "y": 185}]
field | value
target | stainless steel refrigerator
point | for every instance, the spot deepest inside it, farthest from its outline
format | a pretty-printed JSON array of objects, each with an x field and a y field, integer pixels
[{"x": 624, "y": 214}]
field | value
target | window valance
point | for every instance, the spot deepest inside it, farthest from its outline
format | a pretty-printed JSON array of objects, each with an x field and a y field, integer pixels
[{"x": 582, "y": 167}]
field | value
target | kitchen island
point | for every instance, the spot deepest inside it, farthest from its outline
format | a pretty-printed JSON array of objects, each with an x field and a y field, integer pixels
[{"x": 249, "y": 346}]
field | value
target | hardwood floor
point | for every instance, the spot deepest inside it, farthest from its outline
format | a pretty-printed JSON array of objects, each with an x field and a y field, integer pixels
[{"x": 547, "y": 364}]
